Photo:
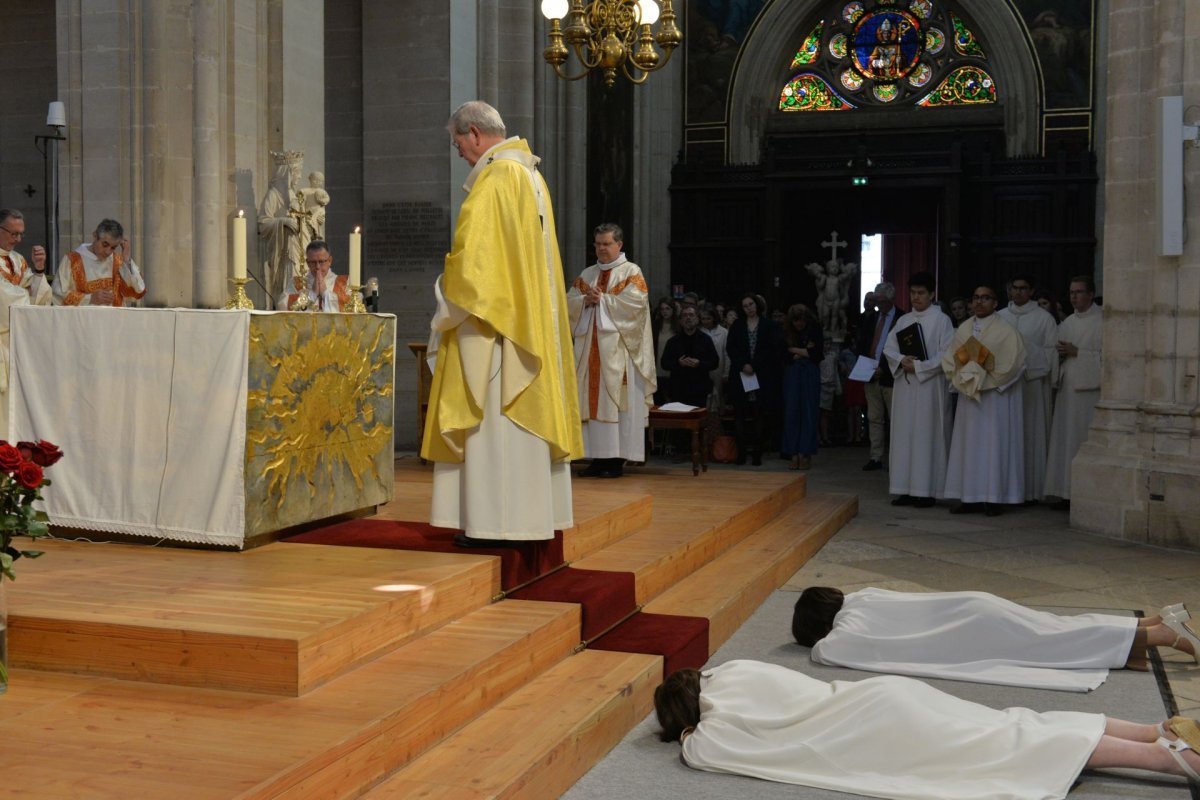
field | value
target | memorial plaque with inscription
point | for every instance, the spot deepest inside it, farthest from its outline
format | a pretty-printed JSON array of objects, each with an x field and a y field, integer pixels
[{"x": 407, "y": 237}]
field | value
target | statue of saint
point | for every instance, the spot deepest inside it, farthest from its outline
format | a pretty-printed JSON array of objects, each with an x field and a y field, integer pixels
[
  {"x": 833, "y": 295},
  {"x": 280, "y": 215}
]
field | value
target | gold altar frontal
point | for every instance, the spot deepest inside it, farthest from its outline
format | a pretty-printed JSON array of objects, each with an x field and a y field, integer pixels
[{"x": 319, "y": 417}]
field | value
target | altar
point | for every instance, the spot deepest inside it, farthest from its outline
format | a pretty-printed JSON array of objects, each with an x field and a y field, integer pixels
[{"x": 213, "y": 427}]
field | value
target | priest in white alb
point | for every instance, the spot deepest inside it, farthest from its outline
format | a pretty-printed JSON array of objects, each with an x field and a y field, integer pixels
[
  {"x": 1077, "y": 378},
  {"x": 984, "y": 362},
  {"x": 1039, "y": 333},
  {"x": 503, "y": 420},
  {"x": 920, "y": 431},
  {"x": 614, "y": 355}
]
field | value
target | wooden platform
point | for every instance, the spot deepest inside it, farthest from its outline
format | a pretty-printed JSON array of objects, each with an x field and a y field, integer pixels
[{"x": 308, "y": 671}]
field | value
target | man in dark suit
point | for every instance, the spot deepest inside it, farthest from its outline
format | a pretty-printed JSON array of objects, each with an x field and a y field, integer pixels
[{"x": 872, "y": 334}]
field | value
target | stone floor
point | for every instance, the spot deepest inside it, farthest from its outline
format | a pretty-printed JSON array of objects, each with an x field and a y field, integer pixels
[{"x": 1028, "y": 554}]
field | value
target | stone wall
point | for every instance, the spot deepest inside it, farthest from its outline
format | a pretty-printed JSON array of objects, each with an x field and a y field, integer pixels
[
  {"x": 27, "y": 62},
  {"x": 1138, "y": 475}
]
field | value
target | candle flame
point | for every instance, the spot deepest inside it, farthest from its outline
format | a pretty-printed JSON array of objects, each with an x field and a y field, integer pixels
[
  {"x": 357, "y": 229},
  {"x": 241, "y": 213}
]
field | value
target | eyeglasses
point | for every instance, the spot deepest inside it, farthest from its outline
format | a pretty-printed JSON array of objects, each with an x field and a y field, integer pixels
[
  {"x": 318, "y": 262},
  {"x": 979, "y": 297},
  {"x": 12, "y": 233}
]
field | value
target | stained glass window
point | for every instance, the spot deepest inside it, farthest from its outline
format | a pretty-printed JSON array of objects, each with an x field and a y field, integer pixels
[{"x": 889, "y": 53}]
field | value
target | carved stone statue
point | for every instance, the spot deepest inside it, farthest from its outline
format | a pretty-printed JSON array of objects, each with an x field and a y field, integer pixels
[
  {"x": 279, "y": 223},
  {"x": 833, "y": 290},
  {"x": 312, "y": 203}
]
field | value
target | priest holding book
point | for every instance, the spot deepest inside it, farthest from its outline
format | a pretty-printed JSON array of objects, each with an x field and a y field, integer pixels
[
  {"x": 920, "y": 435},
  {"x": 984, "y": 362}
]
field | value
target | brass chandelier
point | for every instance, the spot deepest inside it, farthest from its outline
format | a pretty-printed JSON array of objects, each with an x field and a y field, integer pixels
[{"x": 611, "y": 35}]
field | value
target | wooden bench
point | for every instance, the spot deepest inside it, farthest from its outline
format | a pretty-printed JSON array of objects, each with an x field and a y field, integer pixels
[{"x": 693, "y": 421}]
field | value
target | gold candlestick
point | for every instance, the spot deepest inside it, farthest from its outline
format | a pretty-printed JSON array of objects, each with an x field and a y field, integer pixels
[
  {"x": 356, "y": 306},
  {"x": 239, "y": 299}
]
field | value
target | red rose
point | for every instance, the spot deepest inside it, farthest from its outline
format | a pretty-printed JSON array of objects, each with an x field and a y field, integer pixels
[
  {"x": 10, "y": 458},
  {"x": 26, "y": 450},
  {"x": 45, "y": 454},
  {"x": 29, "y": 475}
]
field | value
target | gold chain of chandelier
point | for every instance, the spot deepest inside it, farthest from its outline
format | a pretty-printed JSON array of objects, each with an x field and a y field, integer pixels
[{"x": 611, "y": 35}]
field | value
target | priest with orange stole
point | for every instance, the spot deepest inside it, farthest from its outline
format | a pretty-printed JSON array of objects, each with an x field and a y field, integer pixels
[{"x": 614, "y": 355}]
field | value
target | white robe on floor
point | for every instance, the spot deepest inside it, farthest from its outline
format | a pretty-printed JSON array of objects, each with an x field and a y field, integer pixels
[
  {"x": 1078, "y": 383},
  {"x": 976, "y": 637},
  {"x": 1040, "y": 334},
  {"x": 889, "y": 737},
  {"x": 920, "y": 411}
]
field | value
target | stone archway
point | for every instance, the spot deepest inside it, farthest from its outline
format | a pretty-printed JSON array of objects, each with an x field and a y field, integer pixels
[{"x": 761, "y": 71}]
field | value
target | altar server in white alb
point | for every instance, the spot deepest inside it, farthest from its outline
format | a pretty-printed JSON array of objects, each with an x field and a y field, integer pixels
[
  {"x": 614, "y": 355},
  {"x": 920, "y": 438},
  {"x": 979, "y": 637},
  {"x": 1038, "y": 332},
  {"x": 101, "y": 273},
  {"x": 987, "y": 454},
  {"x": 1077, "y": 378},
  {"x": 896, "y": 737}
]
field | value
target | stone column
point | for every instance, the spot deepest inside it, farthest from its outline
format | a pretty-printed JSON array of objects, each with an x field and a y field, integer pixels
[
  {"x": 658, "y": 131},
  {"x": 209, "y": 228},
  {"x": 1138, "y": 475}
]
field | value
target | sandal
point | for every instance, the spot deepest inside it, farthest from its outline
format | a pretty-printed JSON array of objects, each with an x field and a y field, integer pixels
[
  {"x": 1182, "y": 632},
  {"x": 1177, "y": 610},
  {"x": 1176, "y": 748},
  {"x": 1185, "y": 728}
]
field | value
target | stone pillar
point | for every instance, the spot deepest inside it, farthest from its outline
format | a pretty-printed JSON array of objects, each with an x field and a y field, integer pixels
[
  {"x": 209, "y": 217},
  {"x": 1138, "y": 475},
  {"x": 658, "y": 131}
]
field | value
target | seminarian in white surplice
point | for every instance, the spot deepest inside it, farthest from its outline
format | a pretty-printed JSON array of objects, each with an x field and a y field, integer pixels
[
  {"x": 920, "y": 413},
  {"x": 1039, "y": 333},
  {"x": 1077, "y": 378},
  {"x": 987, "y": 454}
]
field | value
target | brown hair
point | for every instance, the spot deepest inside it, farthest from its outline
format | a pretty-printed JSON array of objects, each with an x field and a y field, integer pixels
[
  {"x": 677, "y": 704},
  {"x": 812, "y": 618}
]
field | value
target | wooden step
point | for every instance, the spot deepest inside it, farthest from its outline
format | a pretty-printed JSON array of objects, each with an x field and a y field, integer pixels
[
  {"x": 730, "y": 588},
  {"x": 540, "y": 740},
  {"x": 280, "y": 619},
  {"x": 80, "y": 736},
  {"x": 694, "y": 520}
]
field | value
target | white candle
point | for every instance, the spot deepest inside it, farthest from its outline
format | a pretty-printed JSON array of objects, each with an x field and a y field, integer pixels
[
  {"x": 239, "y": 245},
  {"x": 356, "y": 258}
]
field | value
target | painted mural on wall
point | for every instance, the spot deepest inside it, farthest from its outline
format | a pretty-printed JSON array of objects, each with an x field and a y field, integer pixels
[
  {"x": 714, "y": 33},
  {"x": 1061, "y": 31}
]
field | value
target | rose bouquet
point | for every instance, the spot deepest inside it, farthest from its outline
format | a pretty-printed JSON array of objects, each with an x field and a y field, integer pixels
[{"x": 22, "y": 476}]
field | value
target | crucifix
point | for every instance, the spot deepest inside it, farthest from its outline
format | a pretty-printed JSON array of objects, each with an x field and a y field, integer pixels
[{"x": 833, "y": 244}]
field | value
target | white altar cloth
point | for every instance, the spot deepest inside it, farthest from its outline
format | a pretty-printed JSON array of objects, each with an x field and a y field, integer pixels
[{"x": 149, "y": 408}]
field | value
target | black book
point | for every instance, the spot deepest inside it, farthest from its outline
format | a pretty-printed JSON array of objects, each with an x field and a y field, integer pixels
[{"x": 912, "y": 342}]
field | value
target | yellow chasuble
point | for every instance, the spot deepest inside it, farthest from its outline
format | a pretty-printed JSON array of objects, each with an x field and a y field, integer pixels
[{"x": 504, "y": 270}]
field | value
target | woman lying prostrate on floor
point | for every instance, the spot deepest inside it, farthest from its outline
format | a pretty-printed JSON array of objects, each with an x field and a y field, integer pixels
[
  {"x": 978, "y": 637},
  {"x": 895, "y": 737}
]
